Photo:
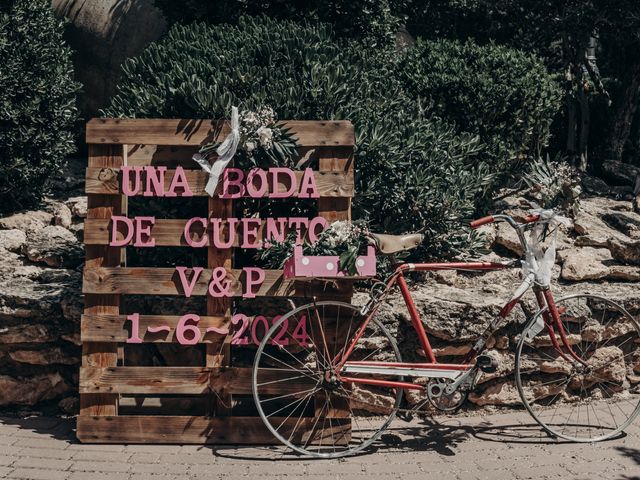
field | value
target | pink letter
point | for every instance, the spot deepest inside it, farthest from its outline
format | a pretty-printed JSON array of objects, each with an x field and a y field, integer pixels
[
  {"x": 274, "y": 179},
  {"x": 228, "y": 183},
  {"x": 126, "y": 180},
  {"x": 217, "y": 232},
  {"x": 275, "y": 232},
  {"x": 308, "y": 182},
  {"x": 251, "y": 280},
  {"x": 187, "y": 232},
  {"x": 250, "y": 231},
  {"x": 142, "y": 229},
  {"x": 179, "y": 180},
  {"x": 155, "y": 181},
  {"x": 187, "y": 287},
  {"x": 298, "y": 223},
  {"x": 264, "y": 186},
  {"x": 313, "y": 223},
  {"x": 114, "y": 231}
]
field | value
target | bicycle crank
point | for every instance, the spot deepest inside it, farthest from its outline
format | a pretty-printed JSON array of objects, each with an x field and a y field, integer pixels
[{"x": 441, "y": 399}]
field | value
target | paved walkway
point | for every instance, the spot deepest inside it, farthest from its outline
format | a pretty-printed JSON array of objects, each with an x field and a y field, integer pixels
[{"x": 495, "y": 447}]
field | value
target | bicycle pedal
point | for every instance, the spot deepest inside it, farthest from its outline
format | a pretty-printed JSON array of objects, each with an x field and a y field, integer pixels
[
  {"x": 405, "y": 416},
  {"x": 486, "y": 364}
]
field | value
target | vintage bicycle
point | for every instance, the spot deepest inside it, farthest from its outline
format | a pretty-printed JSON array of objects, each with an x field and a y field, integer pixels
[{"x": 577, "y": 362}]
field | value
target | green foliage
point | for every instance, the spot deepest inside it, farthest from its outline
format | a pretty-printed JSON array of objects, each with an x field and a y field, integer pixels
[
  {"x": 377, "y": 20},
  {"x": 413, "y": 171},
  {"x": 504, "y": 96},
  {"x": 554, "y": 184},
  {"x": 37, "y": 103}
]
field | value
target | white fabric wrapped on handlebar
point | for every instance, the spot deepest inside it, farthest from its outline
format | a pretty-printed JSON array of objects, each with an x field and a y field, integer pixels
[{"x": 540, "y": 260}]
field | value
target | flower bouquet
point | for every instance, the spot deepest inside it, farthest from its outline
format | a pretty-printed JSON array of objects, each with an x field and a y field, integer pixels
[
  {"x": 264, "y": 142},
  {"x": 336, "y": 253}
]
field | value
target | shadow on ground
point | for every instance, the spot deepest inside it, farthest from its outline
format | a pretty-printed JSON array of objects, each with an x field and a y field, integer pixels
[{"x": 442, "y": 436}]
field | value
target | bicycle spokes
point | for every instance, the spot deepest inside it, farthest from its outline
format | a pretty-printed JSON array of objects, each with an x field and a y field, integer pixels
[
  {"x": 585, "y": 386},
  {"x": 314, "y": 411}
]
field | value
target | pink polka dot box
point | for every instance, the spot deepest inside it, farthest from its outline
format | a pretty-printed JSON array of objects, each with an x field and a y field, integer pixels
[{"x": 305, "y": 266}]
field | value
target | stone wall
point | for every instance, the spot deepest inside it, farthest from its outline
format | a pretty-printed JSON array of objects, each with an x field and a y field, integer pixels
[
  {"x": 40, "y": 294},
  {"x": 40, "y": 302}
]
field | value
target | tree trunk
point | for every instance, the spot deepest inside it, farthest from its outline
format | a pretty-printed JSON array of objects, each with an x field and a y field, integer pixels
[{"x": 624, "y": 109}]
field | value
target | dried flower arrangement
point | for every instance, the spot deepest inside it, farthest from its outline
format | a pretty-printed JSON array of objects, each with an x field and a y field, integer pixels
[
  {"x": 343, "y": 239},
  {"x": 264, "y": 142}
]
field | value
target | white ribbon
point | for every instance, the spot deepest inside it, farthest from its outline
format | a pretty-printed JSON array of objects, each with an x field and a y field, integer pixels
[
  {"x": 539, "y": 261},
  {"x": 225, "y": 152}
]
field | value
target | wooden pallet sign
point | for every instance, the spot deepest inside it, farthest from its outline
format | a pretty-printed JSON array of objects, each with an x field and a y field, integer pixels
[{"x": 124, "y": 399}]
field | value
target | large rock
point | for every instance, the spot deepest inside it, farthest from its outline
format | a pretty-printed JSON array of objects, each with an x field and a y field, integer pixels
[
  {"x": 54, "y": 245},
  {"x": 590, "y": 224},
  {"x": 104, "y": 33},
  {"x": 621, "y": 172},
  {"x": 31, "y": 390},
  {"x": 503, "y": 393},
  {"x": 47, "y": 356},
  {"x": 12, "y": 240},
  {"x": 61, "y": 214},
  {"x": 78, "y": 206},
  {"x": 35, "y": 293},
  {"x": 506, "y": 237},
  {"x": 26, "y": 221},
  {"x": 586, "y": 263},
  {"x": 26, "y": 334},
  {"x": 625, "y": 250}
]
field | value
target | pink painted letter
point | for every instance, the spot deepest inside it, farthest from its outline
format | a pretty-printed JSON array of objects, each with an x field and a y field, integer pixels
[
  {"x": 187, "y": 287},
  {"x": 126, "y": 180},
  {"x": 308, "y": 187},
  {"x": 274, "y": 179},
  {"x": 114, "y": 231},
  {"x": 142, "y": 229},
  {"x": 187, "y": 232},
  {"x": 254, "y": 276}
]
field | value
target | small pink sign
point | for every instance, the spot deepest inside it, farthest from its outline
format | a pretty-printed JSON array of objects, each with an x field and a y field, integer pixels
[{"x": 300, "y": 265}]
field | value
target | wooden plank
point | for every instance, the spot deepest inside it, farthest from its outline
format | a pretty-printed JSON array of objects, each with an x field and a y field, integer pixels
[
  {"x": 165, "y": 281},
  {"x": 102, "y": 207},
  {"x": 199, "y": 430},
  {"x": 107, "y": 181},
  {"x": 219, "y": 354},
  {"x": 333, "y": 159},
  {"x": 180, "y": 132},
  {"x": 189, "y": 380},
  {"x": 172, "y": 156},
  {"x": 336, "y": 160},
  {"x": 113, "y": 328},
  {"x": 166, "y": 232},
  {"x": 162, "y": 155}
]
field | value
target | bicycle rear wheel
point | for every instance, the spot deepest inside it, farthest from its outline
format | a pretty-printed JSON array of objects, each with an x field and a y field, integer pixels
[
  {"x": 570, "y": 400},
  {"x": 297, "y": 390}
]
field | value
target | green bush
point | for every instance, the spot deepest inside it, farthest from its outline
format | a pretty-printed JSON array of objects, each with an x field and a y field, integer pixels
[
  {"x": 505, "y": 96},
  {"x": 413, "y": 171},
  {"x": 375, "y": 19},
  {"x": 37, "y": 101}
]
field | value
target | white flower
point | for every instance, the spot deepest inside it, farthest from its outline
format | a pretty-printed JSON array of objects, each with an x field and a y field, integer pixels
[
  {"x": 265, "y": 135},
  {"x": 250, "y": 146}
]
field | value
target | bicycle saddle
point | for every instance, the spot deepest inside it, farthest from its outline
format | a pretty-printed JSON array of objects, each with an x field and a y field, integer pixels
[{"x": 396, "y": 243}]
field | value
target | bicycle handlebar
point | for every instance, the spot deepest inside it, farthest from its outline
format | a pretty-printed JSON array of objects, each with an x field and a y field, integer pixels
[
  {"x": 482, "y": 221},
  {"x": 493, "y": 218}
]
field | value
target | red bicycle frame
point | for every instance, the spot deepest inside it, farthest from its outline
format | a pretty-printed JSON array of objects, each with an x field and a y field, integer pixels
[{"x": 544, "y": 298}]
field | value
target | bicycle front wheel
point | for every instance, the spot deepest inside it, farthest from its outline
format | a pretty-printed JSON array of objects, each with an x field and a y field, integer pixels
[
  {"x": 586, "y": 401},
  {"x": 299, "y": 393}
]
